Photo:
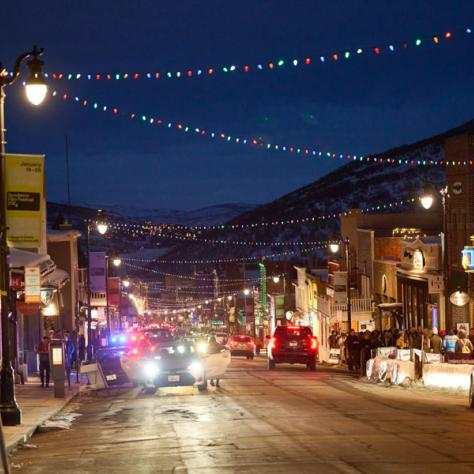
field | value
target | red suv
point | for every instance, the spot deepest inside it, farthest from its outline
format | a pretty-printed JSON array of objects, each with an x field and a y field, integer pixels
[
  {"x": 241, "y": 346},
  {"x": 293, "y": 345}
]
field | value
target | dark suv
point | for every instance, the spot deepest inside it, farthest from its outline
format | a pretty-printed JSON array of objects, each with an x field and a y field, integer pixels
[{"x": 293, "y": 345}]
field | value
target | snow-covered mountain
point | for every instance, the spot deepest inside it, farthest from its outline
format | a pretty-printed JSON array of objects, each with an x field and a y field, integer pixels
[
  {"x": 207, "y": 215},
  {"x": 355, "y": 185}
]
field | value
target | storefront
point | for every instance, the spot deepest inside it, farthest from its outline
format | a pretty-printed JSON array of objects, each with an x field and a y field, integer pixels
[{"x": 419, "y": 282}]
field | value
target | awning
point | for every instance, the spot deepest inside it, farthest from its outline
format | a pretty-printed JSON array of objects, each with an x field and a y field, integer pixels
[
  {"x": 21, "y": 258},
  {"x": 56, "y": 279}
]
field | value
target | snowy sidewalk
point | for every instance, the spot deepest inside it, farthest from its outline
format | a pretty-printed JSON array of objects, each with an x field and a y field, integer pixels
[{"x": 37, "y": 405}]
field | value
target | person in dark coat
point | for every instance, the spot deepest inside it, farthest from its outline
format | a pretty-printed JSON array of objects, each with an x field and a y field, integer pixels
[
  {"x": 82, "y": 347},
  {"x": 353, "y": 351},
  {"x": 414, "y": 339},
  {"x": 45, "y": 368},
  {"x": 436, "y": 342},
  {"x": 70, "y": 351},
  {"x": 365, "y": 350}
]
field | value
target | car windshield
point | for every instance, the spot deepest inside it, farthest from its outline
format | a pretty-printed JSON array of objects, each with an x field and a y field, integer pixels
[
  {"x": 159, "y": 335},
  {"x": 241, "y": 339},
  {"x": 293, "y": 332}
]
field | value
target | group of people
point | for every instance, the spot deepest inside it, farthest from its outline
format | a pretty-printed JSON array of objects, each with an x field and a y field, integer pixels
[
  {"x": 357, "y": 348},
  {"x": 43, "y": 351}
]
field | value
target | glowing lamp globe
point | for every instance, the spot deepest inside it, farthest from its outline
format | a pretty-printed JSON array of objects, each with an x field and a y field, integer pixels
[
  {"x": 36, "y": 93},
  {"x": 246, "y": 292},
  {"x": 117, "y": 261},
  {"x": 126, "y": 283},
  {"x": 334, "y": 248},
  {"x": 276, "y": 279},
  {"x": 427, "y": 201},
  {"x": 102, "y": 227}
]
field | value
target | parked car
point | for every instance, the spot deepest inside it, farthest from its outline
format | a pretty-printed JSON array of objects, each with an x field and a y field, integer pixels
[
  {"x": 293, "y": 345},
  {"x": 241, "y": 346}
]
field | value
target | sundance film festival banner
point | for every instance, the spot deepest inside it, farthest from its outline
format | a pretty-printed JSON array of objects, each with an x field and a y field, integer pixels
[
  {"x": 24, "y": 188},
  {"x": 97, "y": 271},
  {"x": 114, "y": 291}
]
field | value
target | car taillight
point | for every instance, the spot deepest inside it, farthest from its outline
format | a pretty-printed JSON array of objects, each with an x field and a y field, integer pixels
[
  {"x": 314, "y": 343},
  {"x": 273, "y": 343}
]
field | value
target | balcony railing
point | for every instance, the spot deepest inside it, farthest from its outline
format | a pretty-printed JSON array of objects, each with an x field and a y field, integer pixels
[{"x": 330, "y": 309}]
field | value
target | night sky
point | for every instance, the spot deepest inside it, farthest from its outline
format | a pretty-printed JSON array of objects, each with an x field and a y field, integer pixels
[{"x": 361, "y": 105}]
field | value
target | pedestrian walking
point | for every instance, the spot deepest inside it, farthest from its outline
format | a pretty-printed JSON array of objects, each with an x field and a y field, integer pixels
[
  {"x": 214, "y": 347},
  {"x": 414, "y": 339},
  {"x": 449, "y": 341},
  {"x": 70, "y": 351},
  {"x": 401, "y": 341},
  {"x": 82, "y": 347},
  {"x": 463, "y": 344},
  {"x": 353, "y": 351},
  {"x": 332, "y": 341},
  {"x": 365, "y": 349},
  {"x": 436, "y": 342},
  {"x": 341, "y": 344},
  {"x": 44, "y": 367}
]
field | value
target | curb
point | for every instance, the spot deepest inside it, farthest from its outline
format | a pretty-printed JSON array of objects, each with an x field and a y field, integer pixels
[{"x": 24, "y": 437}]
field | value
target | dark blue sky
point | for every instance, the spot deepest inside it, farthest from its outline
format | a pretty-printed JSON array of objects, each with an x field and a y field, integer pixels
[{"x": 362, "y": 105}]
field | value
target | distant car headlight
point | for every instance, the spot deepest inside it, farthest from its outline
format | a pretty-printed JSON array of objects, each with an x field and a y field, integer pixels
[
  {"x": 151, "y": 370},
  {"x": 202, "y": 347},
  {"x": 196, "y": 368}
]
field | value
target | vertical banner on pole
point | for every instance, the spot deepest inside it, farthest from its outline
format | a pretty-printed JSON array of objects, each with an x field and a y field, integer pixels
[
  {"x": 97, "y": 271},
  {"x": 114, "y": 291},
  {"x": 24, "y": 188}
]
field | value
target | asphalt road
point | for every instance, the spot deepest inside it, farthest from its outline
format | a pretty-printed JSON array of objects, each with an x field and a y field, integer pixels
[{"x": 285, "y": 421}]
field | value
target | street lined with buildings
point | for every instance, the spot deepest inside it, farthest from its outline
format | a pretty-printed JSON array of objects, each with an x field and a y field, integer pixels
[{"x": 286, "y": 420}]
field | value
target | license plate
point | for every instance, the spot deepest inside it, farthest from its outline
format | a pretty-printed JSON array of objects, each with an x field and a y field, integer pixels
[
  {"x": 293, "y": 343},
  {"x": 111, "y": 377},
  {"x": 173, "y": 378}
]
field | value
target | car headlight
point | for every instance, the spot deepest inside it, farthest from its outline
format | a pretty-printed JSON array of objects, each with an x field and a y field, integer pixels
[
  {"x": 151, "y": 370},
  {"x": 202, "y": 347},
  {"x": 196, "y": 368},
  {"x": 181, "y": 349}
]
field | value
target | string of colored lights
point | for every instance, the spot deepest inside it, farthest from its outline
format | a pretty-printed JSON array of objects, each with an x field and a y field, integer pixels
[
  {"x": 254, "y": 142},
  {"x": 153, "y": 229},
  {"x": 186, "y": 277},
  {"x": 225, "y": 260},
  {"x": 192, "y": 277},
  {"x": 212, "y": 261},
  {"x": 269, "y": 65}
]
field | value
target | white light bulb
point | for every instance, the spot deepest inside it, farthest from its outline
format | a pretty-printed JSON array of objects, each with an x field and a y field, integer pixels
[{"x": 36, "y": 93}]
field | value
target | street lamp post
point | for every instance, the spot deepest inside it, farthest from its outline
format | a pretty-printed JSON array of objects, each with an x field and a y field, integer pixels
[
  {"x": 102, "y": 229},
  {"x": 347, "y": 253},
  {"x": 36, "y": 90},
  {"x": 427, "y": 199}
]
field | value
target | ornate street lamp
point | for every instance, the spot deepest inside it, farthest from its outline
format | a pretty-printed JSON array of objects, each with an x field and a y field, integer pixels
[
  {"x": 334, "y": 248},
  {"x": 36, "y": 90},
  {"x": 427, "y": 199},
  {"x": 101, "y": 227}
]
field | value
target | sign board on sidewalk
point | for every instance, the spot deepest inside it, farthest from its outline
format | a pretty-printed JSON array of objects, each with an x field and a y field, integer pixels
[
  {"x": 32, "y": 285},
  {"x": 24, "y": 188},
  {"x": 334, "y": 356}
]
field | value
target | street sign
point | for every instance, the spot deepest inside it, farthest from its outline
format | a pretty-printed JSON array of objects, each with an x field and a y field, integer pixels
[{"x": 32, "y": 285}]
